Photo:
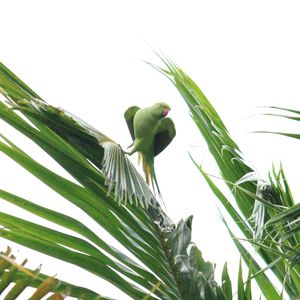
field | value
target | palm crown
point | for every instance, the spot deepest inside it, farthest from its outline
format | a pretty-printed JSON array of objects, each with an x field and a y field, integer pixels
[{"x": 164, "y": 263}]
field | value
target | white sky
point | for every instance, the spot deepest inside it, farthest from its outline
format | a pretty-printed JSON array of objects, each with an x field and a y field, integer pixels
[{"x": 86, "y": 57}]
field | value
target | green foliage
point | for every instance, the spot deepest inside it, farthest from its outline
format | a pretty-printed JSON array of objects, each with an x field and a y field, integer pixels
[
  {"x": 15, "y": 279},
  {"x": 262, "y": 207},
  {"x": 166, "y": 264}
]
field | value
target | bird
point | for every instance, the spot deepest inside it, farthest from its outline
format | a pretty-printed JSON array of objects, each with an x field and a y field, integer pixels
[{"x": 151, "y": 131}]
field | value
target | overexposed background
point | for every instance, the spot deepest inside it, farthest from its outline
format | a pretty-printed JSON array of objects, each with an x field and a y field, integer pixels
[{"x": 87, "y": 57}]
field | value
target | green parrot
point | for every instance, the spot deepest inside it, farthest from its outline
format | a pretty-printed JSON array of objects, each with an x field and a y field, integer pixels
[{"x": 151, "y": 132}]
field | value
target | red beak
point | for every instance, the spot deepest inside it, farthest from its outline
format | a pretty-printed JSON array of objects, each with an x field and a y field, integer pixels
[{"x": 165, "y": 112}]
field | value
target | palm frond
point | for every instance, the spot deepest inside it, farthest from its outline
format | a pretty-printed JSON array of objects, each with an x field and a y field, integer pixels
[
  {"x": 15, "y": 278},
  {"x": 257, "y": 200},
  {"x": 225, "y": 151},
  {"x": 294, "y": 115},
  {"x": 226, "y": 283}
]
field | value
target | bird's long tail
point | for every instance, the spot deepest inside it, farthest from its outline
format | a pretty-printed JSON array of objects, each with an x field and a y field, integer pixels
[{"x": 148, "y": 167}]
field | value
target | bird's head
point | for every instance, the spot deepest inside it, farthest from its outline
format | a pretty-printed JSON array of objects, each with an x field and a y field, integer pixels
[{"x": 160, "y": 109}]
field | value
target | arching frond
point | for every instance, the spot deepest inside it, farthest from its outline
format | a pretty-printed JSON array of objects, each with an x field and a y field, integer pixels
[{"x": 234, "y": 170}]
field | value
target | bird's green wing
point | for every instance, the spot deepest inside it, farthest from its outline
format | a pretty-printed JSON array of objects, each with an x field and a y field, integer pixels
[
  {"x": 164, "y": 135},
  {"x": 129, "y": 116}
]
